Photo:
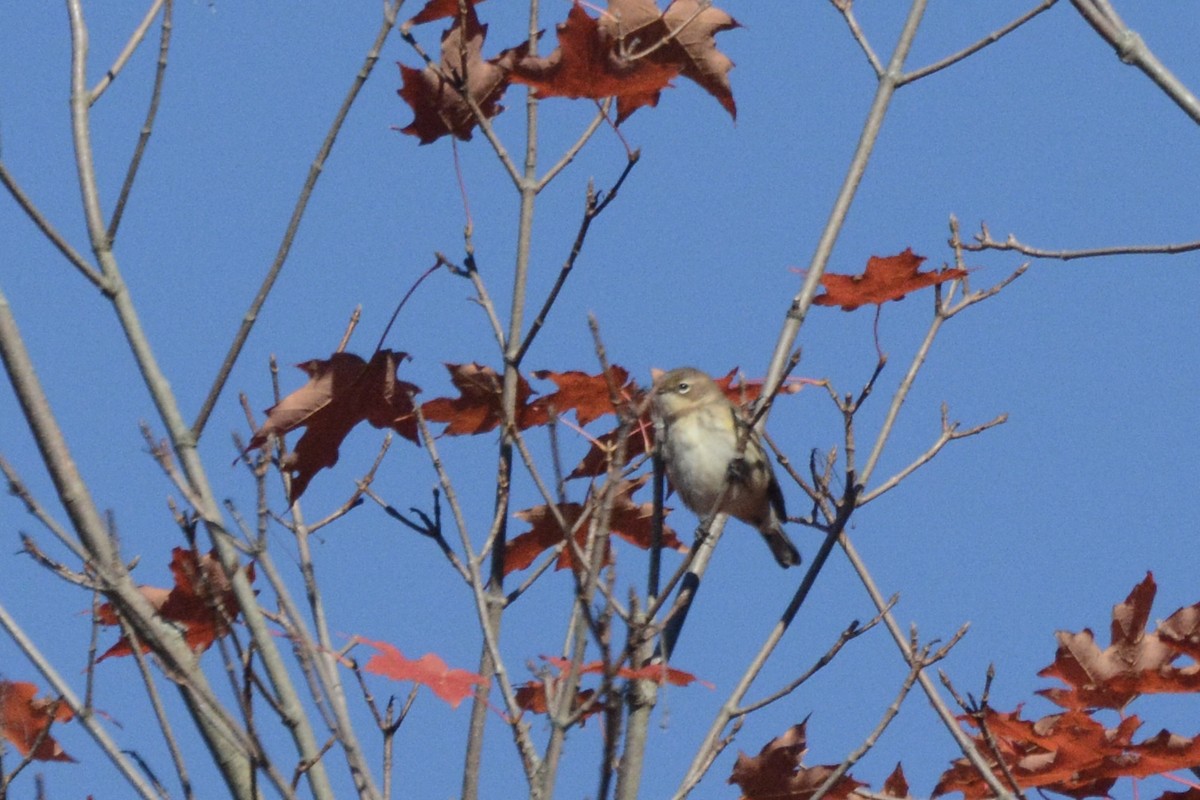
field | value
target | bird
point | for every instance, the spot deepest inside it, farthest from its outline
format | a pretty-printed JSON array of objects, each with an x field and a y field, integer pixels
[{"x": 700, "y": 453}]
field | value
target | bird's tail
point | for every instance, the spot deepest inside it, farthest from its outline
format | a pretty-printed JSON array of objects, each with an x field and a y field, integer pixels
[{"x": 781, "y": 546}]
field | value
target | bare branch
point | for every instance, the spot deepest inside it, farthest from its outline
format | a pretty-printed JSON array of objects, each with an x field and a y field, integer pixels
[
  {"x": 1132, "y": 50},
  {"x": 984, "y": 241},
  {"x": 285, "y": 247},
  {"x": 77, "y": 260},
  {"x": 852, "y": 631},
  {"x": 135, "y": 39},
  {"x": 846, "y": 9},
  {"x": 950, "y": 433},
  {"x": 970, "y": 50},
  {"x": 147, "y": 125}
]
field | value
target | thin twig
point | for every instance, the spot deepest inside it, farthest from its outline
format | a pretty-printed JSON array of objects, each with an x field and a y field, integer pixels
[
  {"x": 846, "y": 8},
  {"x": 852, "y": 631},
  {"x": 984, "y": 241},
  {"x": 970, "y": 50},
  {"x": 164, "y": 44},
  {"x": 950, "y": 433},
  {"x": 314, "y": 172},
  {"x": 50, "y": 232},
  {"x": 135, "y": 39}
]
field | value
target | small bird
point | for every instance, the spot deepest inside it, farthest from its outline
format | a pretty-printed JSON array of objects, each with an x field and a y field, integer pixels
[{"x": 700, "y": 449}]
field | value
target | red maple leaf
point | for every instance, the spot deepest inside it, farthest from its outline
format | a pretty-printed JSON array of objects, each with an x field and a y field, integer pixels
[
  {"x": 452, "y": 685},
  {"x": 1136, "y": 662},
  {"x": 477, "y": 409},
  {"x": 201, "y": 602},
  {"x": 778, "y": 774},
  {"x": 886, "y": 278},
  {"x": 629, "y": 520},
  {"x": 342, "y": 391},
  {"x": 25, "y": 720},
  {"x": 659, "y": 673},
  {"x": 437, "y": 9},
  {"x": 438, "y": 106},
  {"x": 592, "y": 61},
  {"x": 587, "y": 395},
  {"x": 1069, "y": 753}
]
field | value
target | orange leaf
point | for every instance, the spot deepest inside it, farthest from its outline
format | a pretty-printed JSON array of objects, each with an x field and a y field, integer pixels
[
  {"x": 586, "y": 395},
  {"x": 886, "y": 278},
  {"x": 201, "y": 602},
  {"x": 25, "y": 720},
  {"x": 477, "y": 409},
  {"x": 1137, "y": 662},
  {"x": 1069, "y": 753},
  {"x": 341, "y": 392},
  {"x": 591, "y": 61},
  {"x": 746, "y": 391},
  {"x": 438, "y": 9},
  {"x": 628, "y": 520},
  {"x": 452, "y": 685},
  {"x": 438, "y": 107},
  {"x": 777, "y": 773}
]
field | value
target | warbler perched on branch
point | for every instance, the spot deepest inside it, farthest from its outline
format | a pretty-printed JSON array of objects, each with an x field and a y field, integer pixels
[{"x": 700, "y": 452}]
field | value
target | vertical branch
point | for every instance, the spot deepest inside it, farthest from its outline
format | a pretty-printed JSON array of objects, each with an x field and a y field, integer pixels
[{"x": 497, "y": 538}]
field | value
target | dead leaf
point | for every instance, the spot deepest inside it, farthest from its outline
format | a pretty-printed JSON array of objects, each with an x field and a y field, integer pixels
[
  {"x": 639, "y": 441},
  {"x": 591, "y": 61},
  {"x": 587, "y": 395},
  {"x": 438, "y": 106},
  {"x": 777, "y": 773},
  {"x": 682, "y": 37},
  {"x": 24, "y": 721},
  {"x": 629, "y": 520},
  {"x": 477, "y": 409},
  {"x": 896, "y": 784},
  {"x": 886, "y": 278},
  {"x": 342, "y": 391},
  {"x": 1136, "y": 662},
  {"x": 201, "y": 602},
  {"x": 532, "y": 697}
]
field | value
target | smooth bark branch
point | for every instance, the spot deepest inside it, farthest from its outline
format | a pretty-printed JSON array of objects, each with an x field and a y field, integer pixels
[
  {"x": 135, "y": 161},
  {"x": 50, "y": 232},
  {"x": 135, "y": 39},
  {"x": 1132, "y": 50}
]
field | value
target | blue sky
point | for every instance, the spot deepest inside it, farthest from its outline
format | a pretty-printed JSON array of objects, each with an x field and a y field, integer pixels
[{"x": 1039, "y": 525}]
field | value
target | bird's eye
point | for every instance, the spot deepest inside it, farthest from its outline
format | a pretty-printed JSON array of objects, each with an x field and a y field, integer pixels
[{"x": 683, "y": 387}]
